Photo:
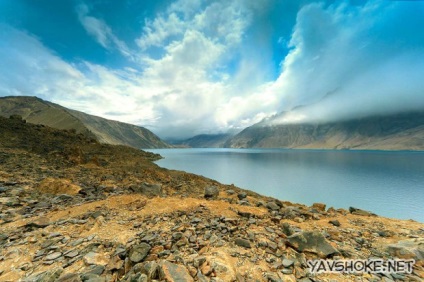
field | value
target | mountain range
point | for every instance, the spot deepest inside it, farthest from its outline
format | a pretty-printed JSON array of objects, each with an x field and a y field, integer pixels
[
  {"x": 402, "y": 131},
  {"x": 37, "y": 111}
]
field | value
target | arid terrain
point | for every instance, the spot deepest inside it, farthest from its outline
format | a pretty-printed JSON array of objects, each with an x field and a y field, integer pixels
[{"x": 72, "y": 209}]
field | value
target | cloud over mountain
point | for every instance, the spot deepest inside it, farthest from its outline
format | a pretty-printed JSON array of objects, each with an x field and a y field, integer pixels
[{"x": 191, "y": 67}]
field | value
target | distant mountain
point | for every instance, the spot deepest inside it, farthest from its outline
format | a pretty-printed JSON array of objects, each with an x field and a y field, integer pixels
[
  {"x": 204, "y": 141},
  {"x": 37, "y": 111},
  {"x": 393, "y": 132}
]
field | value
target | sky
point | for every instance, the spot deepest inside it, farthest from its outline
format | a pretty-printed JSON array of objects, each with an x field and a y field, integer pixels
[{"x": 188, "y": 67}]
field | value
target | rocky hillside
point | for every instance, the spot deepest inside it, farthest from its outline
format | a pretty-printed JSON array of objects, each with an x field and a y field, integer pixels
[
  {"x": 72, "y": 209},
  {"x": 394, "y": 132},
  {"x": 38, "y": 111}
]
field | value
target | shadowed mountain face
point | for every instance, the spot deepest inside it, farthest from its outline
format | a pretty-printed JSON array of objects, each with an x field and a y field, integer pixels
[
  {"x": 395, "y": 132},
  {"x": 38, "y": 111},
  {"x": 204, "y": 141}
]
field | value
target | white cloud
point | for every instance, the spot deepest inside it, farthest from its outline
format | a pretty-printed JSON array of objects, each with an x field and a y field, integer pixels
[
  {"x": 338, "y": 58},
  {"x": 101, "y": 31},
  {"x": 352, "y": 62}
]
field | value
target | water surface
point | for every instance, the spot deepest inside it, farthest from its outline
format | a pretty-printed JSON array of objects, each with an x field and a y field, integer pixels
[{"x": 390, "y": 184}]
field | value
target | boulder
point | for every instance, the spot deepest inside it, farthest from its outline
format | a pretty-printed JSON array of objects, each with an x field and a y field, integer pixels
[
  {"x": 171, "y": 272},
  {"x": 313, "y": 242},
  {"x": 148, "y": 189},
  {"x": 211, "y": 192},
  {"x": 319, "y": 207},
  {"x": 407, "y": 249},
  {"x": 356, "y": 211},
  {"x": 272, "y": 206},
  {"x": 139, "y": 252},
  {"x": 242, "y": 243}
]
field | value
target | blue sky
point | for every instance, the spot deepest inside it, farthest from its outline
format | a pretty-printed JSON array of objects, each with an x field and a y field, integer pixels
[{"x": 187, "y": 67}]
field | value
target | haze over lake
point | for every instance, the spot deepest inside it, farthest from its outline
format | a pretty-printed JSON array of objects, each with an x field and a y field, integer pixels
[{"x": 390, "y": 184}]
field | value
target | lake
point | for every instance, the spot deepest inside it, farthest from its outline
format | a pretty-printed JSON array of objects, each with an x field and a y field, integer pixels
[{"x": 390, "y": 184}]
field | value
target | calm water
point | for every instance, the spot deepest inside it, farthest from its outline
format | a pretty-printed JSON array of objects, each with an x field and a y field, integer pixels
[{"x": 390, "y": 184}]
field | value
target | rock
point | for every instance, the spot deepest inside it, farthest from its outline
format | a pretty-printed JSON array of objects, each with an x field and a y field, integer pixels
[
  {"x": 53, "y": 256},
  {"x": 241, "y": 195},
  {"x": 147, "y": 189},
  {"x": 58, "y": 186},
  {"x": 242, "y": 243},
  {"x": 313, "y": 242},
  {"x": 71, "y": 254},
  {"x": 139, "y": 252},
  {"x": 174, "y": 273},
  {"x": 69, "y": 277},
  {"x": 47, "y": 276},
  {"x": 41, "y": 222},
  {"x": 335, "y": 222},
  {"x": 93, "y": 258},
  {"x": 230, "y": 192},
  {"x": 356, "y": 211},
  {"x": 95, "y": 270},
  {"x": 319, "y": 207},
  {"x": 211, "y": 192},
  {"x": 287, "y": 229},
  {"x": 407, "y": 249},
  {"x": 151, "y": 189},
  {"x": 272, "y": 206},
  {"x": 288, "y": 262},
  {"x": 115, "y": 263},
  {"x": 151, "y": 269}
]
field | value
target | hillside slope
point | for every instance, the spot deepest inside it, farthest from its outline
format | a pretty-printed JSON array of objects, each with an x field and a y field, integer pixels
[
  {"x": 38, "y": 111},
  {"x": 395, "y": 132},
  {"x": 72, "y": 209},
  {"x": 205, "y": 141}
]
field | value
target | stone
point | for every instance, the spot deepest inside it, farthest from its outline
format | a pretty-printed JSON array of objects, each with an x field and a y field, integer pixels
[
  {"x": 287, "y": 229},
  {"x": 115, "y": 263},
  {"x": 319, "y": 207},
  {"x": 287, "y": 262},
  {"x": 272, "y": 206},
  {"x": 242, "y": 243},
  {"x": 241, "y": 195},
  {"x": 93, "y": 258},
  {"x": 148, "y": 189},
  {"x": 174, "y": 273},
  {"x": 53, "y": 256},
  {"x": 151, "y": 269},
  {"x": 69, "y": 277},
  {"x": 407, "y": 249},
  {"x": 313, "y": 242},
  {"x": 334, "y": 222},
  {"x": 211, "y": 192},
  {"x": 46, "y": 276},
  {"x": 71, "y": 254},
  {"x": 41, "y": 222},
  {"x": 356, "y": 211},
  {"x": 139, "y": 252}
]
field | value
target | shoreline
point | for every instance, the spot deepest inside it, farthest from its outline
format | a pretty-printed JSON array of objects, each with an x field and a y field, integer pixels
[{"x": 180, "y": 160}]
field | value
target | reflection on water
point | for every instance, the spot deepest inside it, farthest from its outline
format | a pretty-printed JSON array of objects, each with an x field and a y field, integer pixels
[{"x": 388, "y": 183}]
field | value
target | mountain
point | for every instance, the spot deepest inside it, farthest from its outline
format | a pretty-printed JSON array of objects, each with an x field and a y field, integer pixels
[
  {"x": 205, "y": 141},
  {"x": 37, "y": 111},
  {"x": 403, "y": 131}
]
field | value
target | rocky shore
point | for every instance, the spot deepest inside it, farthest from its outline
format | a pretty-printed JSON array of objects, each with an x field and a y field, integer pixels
[{"x": 75, "y": 210}]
